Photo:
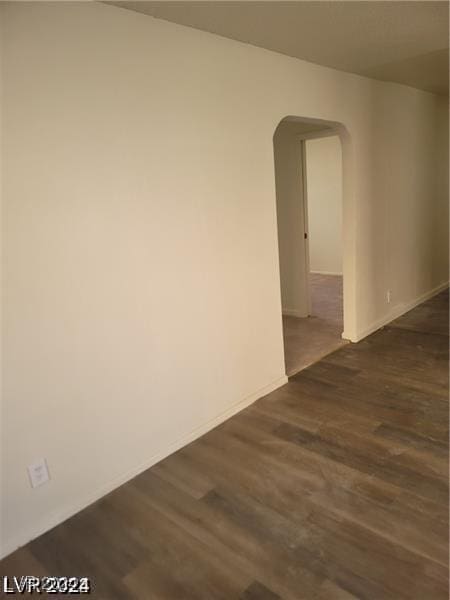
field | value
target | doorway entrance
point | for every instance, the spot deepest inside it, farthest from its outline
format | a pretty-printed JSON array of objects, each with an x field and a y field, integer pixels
[{"x": 309, "y": 190}]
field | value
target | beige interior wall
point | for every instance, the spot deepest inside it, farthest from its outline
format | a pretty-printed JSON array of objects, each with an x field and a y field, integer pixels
[
  {"x": 404, "y": 230},
  {"x": 324, "y": 185},
  {"x": 141, "y": 290},
  {"x": 440, "y": 262}
]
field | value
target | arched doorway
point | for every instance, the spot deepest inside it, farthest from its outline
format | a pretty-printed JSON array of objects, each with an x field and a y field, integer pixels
[{"x": 318, "y": 307}]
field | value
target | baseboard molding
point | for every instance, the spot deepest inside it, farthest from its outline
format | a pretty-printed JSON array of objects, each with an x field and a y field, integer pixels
[
  {"x": 398, "y": 311},
  {"x": 348, "y": 337},
  {"x": 287, "y": 312},
  {"x": 59, "y": 517},
  {"x": 325, "y": 273}
]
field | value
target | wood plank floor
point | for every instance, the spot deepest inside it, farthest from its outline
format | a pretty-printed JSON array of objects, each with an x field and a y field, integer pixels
[
  {"x": 306, "y": 340},
  {"x": 333, "y": 487}
]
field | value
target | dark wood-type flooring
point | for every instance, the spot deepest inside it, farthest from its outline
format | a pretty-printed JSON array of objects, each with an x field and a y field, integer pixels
[
  {"x": 333, "y": 487},
  {"x": 306, "y": 340}
]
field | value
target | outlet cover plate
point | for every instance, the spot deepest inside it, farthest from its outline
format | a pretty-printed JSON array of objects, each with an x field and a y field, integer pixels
[{"x": 38, "y": 473}]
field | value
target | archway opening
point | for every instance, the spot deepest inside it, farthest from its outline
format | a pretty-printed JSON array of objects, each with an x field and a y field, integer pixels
[{"x": 316, "y": 278}]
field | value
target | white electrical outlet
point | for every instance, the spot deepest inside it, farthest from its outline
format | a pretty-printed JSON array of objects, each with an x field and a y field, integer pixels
[
  {"x": 38, "y": 473},
  {"x": 388, "y": 296}
]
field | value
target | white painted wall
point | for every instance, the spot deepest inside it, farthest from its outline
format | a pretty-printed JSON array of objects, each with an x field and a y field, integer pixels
[
  {"x": 324, "y": 185},
  {"x": 141, "y": 296}
]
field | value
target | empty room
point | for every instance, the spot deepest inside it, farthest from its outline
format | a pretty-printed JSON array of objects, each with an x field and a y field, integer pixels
[{"x": 224, "y": 307}]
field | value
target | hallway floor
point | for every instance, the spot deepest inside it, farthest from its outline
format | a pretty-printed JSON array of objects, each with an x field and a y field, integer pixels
[
  {"x": 333, "y": 487},
  {"x": 309, "y": 339}
]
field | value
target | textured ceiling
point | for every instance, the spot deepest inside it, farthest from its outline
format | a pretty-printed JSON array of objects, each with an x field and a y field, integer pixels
[{"x": 401, "y": 41}]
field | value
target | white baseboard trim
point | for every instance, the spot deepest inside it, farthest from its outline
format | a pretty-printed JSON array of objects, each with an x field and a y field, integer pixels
[
  {"x": 398, "y": 311},
  {"x": 288, "y": 312},
  {"x": 26, "y": 536},
  {"x": 325, "y": 273}
]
